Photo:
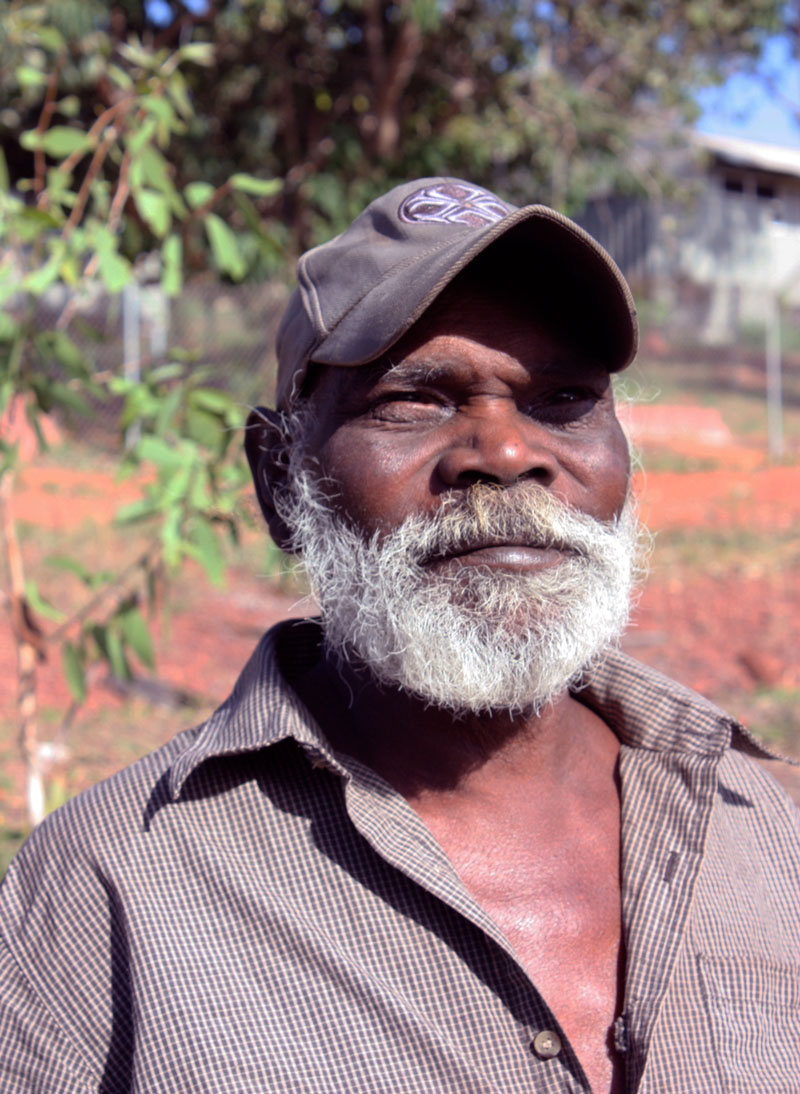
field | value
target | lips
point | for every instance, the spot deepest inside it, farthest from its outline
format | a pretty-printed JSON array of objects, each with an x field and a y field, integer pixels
[{"x": 501, "y": 554}]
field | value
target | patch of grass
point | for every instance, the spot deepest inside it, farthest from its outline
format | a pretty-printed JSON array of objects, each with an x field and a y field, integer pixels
[
  {"x": 728, "y": 551},
  {"x": 682, "y": 463},
  {"x": 772, "y": 713}
]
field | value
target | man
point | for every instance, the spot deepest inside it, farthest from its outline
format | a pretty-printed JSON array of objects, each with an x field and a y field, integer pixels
[{"x": 450, "y": 839}]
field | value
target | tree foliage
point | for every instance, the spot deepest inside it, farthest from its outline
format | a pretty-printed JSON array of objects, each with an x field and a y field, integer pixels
[
  {"x": 543, "y": 99},
  {"x": 95, "y": 180}
]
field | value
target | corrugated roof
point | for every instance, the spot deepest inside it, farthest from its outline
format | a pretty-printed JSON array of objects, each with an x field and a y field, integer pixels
[{"x": 743, "y": 153}]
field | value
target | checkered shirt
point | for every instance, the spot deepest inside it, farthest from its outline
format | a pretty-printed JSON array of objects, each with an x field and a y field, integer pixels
[{"x": 245, "y": 910}]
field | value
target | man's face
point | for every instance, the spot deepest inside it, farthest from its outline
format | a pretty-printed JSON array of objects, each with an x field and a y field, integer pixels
[
  {"x": 479, "y": 391},
  {"x": 457, "y": 506}
]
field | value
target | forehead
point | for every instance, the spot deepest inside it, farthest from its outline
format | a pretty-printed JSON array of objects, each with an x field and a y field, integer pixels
[{"x": 463, "y": 322}]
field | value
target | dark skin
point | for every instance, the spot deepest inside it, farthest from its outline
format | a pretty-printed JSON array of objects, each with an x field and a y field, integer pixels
[{"x": 525, "y": 806}]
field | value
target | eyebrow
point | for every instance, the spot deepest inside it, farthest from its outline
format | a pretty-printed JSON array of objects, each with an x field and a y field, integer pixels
[
  {"x": 424, "y": 372},
  {"x": 418, "y": 372}
]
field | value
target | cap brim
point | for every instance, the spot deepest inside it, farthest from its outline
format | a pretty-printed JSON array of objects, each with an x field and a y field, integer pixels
[{"x": 547, "y": 242}]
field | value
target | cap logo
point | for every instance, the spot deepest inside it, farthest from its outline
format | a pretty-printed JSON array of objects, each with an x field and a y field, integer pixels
[{"x": 452, "y": 203}]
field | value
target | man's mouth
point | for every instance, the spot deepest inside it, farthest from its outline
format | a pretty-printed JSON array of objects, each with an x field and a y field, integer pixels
[{"x": 505, "y": 555}]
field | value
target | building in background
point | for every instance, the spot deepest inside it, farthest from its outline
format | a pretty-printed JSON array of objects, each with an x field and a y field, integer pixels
[{"x": 729, "y": 258}]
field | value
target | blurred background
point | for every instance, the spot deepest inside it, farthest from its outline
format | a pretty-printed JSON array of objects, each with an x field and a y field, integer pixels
[{"x": 162, "y": 165}]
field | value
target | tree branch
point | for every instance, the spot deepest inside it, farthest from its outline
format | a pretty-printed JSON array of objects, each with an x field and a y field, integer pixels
[
  {"x": 98, "y": 158},
  {"x": 116, "y": 591},
  {"x": 48, "y": 107}
]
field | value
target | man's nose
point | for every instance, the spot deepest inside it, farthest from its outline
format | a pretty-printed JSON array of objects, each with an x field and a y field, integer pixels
[{"x": 500, "y": 448}]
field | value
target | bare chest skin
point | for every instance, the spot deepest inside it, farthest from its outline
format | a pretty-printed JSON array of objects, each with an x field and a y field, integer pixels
[
  {"x": 532, "y": 830},
  {"x": 545, "y": 867}
]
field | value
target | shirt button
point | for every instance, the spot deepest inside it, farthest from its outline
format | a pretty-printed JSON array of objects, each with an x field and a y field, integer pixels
[{"x": 546, "y": 1044}]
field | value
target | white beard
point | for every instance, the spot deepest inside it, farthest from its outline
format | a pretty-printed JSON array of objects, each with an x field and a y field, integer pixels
[{"x": 475, "y": 640}]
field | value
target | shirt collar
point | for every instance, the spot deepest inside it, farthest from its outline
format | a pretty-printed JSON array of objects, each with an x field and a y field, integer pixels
[
  {"x": 263, "y": 707},
  {"x": 649, "y": 710},
  {"x": 644, "y": 708}
]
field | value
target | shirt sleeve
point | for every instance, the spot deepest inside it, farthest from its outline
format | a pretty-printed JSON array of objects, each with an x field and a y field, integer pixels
[{"x": 35, "y": 1054}]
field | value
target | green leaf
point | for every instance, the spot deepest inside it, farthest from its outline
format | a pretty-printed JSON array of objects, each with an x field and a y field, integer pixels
[
  {"x": 32, "y": 223},
  {"x": 171, "y": 537},
  {"x": 209, "y": 398},
  {"x": 260, "y": 188},
  {"x": 139, "y": 404},
  {"x": 198, "y": 193},
  {"x": 9, "y": 328},
  {"x": 138, "y": 140},
  {"x": 5, "y": 178},
  {"x": 30, "y": 140},
  {"x": 56, "y": 345},
  {"x": 207, "y": 549},
  {"x": 156, "y": 168},
  {"x": 172, "y": 271},
  {"x": 115, "y": 271},
  {"x": 198, "y": 53},
  {"x": 69, "y": 106},
  {"x": 133, "y": 512},
  {"x": 39, "y": 604},
  {"x": 137, "y": 635},
  {"x": 167, "y": 411},
  {"x": 136, "y": 55},
  {"x": 29, "y": 77},
  {"x": 64, "y": 396},
  {"x": 120, "y": 77},
  {"x": 43, "y": 395},
  {"x": 63, "y": 140},
  {"x": 150, "y": 168},
  {"x": 176, "y": 89},
  {"x": 155, "y": 211},
  {"x": 205, "y": 428},
  {"x": 164, "y": 112},
  {"x": 99, "y": 632},
  {"x": 163, "y": 455},
  {"x": 38, "y": 280},
  {"x": 224, "y": 247},
  {"x": 72, "y": 566},
  {"x": 174, "y": 493},
  {"x": 72, "y": 663},
  {"x": 171, "y": 371},
  {"x": 50, "y": 38},
  {"x": 116, "y": 655}
]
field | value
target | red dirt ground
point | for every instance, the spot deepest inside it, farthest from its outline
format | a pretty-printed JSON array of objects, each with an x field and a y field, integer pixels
[{"x": 730, "y": 631}]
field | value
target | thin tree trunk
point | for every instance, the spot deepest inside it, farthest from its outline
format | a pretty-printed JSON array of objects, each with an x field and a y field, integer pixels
[{"x": 28, "y": 652}]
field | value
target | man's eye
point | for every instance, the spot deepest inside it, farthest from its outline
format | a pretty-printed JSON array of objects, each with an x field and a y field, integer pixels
[
  {"x": 572, "y": 395},
  {"x": 405, "y": 406},
  {"x": 565, "y": 405}
]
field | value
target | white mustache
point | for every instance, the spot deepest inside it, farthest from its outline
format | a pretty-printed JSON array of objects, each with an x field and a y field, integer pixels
[{"x": 487, "y": 516}]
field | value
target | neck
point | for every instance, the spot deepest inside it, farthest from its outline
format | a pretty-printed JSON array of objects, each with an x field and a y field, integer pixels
[{"x": 420, "y": 749}]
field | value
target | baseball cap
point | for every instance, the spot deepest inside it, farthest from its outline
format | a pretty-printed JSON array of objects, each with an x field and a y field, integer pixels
[{"x": 360, "y": 292}]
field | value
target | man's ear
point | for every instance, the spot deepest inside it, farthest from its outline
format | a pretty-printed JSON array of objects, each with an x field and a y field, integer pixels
[{"x": 264, "y": 445}]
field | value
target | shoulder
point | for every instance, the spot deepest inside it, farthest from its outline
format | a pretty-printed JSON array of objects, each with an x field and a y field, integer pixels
[
  {"x": 57, "y": 930},
  {"x": 100, "y": 819},
  {"x": 750, "y": 798}
]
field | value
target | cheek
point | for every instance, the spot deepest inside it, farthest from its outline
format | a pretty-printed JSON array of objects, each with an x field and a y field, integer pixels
[
  {"x": 372, "y": 483},
  {"x": 612, "y": 474}
]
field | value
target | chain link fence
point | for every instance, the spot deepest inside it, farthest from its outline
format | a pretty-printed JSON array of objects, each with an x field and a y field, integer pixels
[{"x": 227, "y": 330}]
